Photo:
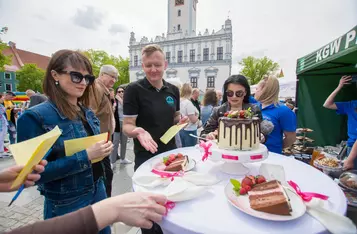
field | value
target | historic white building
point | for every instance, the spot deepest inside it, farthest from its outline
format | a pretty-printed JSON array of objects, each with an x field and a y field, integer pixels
[{"x": 202, "y": 59}]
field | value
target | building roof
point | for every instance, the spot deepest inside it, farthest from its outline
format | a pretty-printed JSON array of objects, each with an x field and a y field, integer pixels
[{"x": 22, "y": 57}]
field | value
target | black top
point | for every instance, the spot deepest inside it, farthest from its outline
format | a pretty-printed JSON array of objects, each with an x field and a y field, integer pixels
[
  {"x": 116, "y": 117},
  {"x": 155, "y": 110},
  {"x": 97, "y": 168},
  {"x": 196, "y": 103}
]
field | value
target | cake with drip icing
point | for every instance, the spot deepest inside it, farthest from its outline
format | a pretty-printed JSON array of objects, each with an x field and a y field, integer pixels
[{"x": 239, "y": 130}]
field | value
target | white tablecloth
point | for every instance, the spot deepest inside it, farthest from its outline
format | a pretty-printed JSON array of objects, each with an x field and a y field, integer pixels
[{"x": 212, "y": 213}]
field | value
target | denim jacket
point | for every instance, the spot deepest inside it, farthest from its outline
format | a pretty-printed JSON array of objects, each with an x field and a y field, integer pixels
[{"x": 64, "y": 177}]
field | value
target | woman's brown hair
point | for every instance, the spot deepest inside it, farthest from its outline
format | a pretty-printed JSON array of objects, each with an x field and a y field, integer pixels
[
  {"x": 59, "y": 62},
  {"x": 210, "y": 98}
]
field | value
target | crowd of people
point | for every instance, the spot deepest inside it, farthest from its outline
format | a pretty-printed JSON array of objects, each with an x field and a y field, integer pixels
[{"x": 76, "y": 191}]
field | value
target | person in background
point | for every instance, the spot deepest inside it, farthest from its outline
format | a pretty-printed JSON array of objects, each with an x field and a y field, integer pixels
[
  {"x": 283, "y": 119},
  {"x": 102, "y": 106},
  {"x": 10, "y": 115},
  {"x": 112, "y": 96},
  {"x": 219, "y": 96},
  {"x": 119, "y": 137},
  {"x": 177, "y": 82},
  {"x": 291, "y": 105},
  {"x": 35, "y": 98},
  {"x": 134, "y": 209},
  {"x": 351, "y": 160},
  {"x": 195, "y": 102},
  {"x": 3, "y": 128},
  {"x": 345, "y": 108},
  {"x": 209, "y": 102},
  {"x": 69, "y": 182},
  {"x": 235, "y": 98},
  {"x": 187, "y": 109}
]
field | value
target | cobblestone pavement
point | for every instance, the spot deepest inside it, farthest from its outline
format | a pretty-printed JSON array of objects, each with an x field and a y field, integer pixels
[{"x": 28, "y": 208}]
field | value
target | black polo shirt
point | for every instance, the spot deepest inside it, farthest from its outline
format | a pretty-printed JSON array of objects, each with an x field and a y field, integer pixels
[
  {"x": 155, "y": 110},
  {"x": 196, "y": 103}
]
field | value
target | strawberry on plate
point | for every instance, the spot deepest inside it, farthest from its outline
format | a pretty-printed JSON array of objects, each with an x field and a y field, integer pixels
[{"x": 260, "y": 179}]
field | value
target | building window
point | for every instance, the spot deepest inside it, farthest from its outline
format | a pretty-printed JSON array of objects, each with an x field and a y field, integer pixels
[
  {"x": 219, "y": 53},
  {"x": 179, "y": 27},
  {"x": 7, "y": 76},
  {"x": 168, "y": 56},
  {"x": 135, "y": 61},
  {"x": 194, "y": 82},
  {"x": 179, "y": 2},
  {"x": 179, "y": 56},
  {"x": 192, "y": 55},
  {"x": 8, "y": 87},
  {"x": 0, "y": 84},
  {"x": 210, "y": 82},
  {"x": 205, "y": 54},
  {"x": 179, "y": 13}
]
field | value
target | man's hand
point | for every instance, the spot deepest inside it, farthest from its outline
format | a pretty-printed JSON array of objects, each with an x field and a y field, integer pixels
[
  {"x": 183, "y": 120},
  {"x": 348, "y": 164},
  {"x": 8, "y": 176},
  {"x": 145, "y": 139},
  {"x": 345, "y": 80}
]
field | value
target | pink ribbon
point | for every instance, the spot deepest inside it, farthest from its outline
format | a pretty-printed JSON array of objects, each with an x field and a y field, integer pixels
[
  {"x": 255, "y": 157},
  {"x": 164, "y": 174},
  {"x": 206, "y": 146},
  {"x": 230, "y": 157},
  {"x": 169, "y": 206},
  {"x": 306, "y": 196}
]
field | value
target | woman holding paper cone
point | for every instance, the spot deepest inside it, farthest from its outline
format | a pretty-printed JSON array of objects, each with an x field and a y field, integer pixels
[{"x": 69, "y": 182}]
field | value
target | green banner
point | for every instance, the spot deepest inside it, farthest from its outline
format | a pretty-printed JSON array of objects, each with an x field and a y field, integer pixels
[{"x": 339, "y": 47}]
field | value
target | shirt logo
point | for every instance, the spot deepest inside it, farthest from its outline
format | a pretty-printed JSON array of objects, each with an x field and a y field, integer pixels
[{"x": 170, "y": 101}]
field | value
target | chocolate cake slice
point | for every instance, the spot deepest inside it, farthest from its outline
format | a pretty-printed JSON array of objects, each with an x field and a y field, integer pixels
[
  {"x": 178, "y": 164},
  {"x": 270, "y": 197}
]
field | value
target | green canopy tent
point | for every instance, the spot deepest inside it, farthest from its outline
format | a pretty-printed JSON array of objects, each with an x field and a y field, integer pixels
[{"x": 318, "y": 74}]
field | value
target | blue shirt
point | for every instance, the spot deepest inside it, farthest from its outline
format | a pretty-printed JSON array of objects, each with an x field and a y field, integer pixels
[
  {"x": 284, "y": 120},
  {"x": 252, "y": 100},
  {"x": 349, "y": 109},
  {"x": 206, "y": 112}
]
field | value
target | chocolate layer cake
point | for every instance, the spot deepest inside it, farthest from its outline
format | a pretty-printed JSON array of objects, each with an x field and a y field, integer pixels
[
  {"x": 238, "y": 134},
  {"x": 178, "y": 164},
  {"x": 270, "y": 197}
]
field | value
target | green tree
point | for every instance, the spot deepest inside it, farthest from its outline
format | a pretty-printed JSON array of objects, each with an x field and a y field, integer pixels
[
  {"x": 4, "y": 60},
  {"x": 99, "y": 58},
  {"x": 30, "y": 77},
  {"x": 255, "y": 68}
]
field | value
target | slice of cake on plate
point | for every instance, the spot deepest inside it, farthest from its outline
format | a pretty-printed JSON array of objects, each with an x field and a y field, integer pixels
[
  {"x": 178, "y": 164},
  {"x": 270, "y": 197}
]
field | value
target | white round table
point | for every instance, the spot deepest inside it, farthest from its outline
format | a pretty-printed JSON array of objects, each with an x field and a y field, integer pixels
[{"x": 212, "y": 213}]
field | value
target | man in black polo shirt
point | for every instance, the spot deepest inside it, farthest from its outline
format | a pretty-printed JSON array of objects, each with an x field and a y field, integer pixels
[
  {"x": 195, "y": 102},
  {"x": 151, "y": 107}
]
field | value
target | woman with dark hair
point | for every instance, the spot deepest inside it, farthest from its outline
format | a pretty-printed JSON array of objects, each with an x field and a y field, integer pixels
[
  {"x": 236, "y": 97},
  {"x": 68, "y": 183},
  {"x": 209, "y": 101},
  {"x": 119, "y": 136}
]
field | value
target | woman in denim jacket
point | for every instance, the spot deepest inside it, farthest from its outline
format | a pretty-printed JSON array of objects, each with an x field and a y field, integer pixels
[{"x": 68, "y": 183}]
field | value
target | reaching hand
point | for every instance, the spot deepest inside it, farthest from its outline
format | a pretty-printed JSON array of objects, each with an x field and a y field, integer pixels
[
  {"x": 134, "y": 209},
  {"x": 145, "y": 140},
  {"x": 348, "y": 164},
  {"x": 212, "y": 135},
  {"x": 8, "y": 176},
  {"x": 100, "y": 150},
  {"x": 183, "y": 120},
  {"x": 345, "y": 80}
]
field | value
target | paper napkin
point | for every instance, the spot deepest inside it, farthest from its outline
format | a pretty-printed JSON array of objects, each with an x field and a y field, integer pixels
[
  {"x": 31, "y": 152},
  {"x": 182, "y": 190},
  {"x": 77, "y": 145},
  {"x": 169, "y": 134}
]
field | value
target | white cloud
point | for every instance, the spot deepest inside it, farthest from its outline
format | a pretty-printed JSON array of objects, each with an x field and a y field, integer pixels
[
  {"x": 117, "y": 28},
  {"x": 89, "y": 18}
]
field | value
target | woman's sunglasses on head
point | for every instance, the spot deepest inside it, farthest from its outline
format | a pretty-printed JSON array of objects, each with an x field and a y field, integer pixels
[
  {"x": 77, "y": 77},
  {"x": 239, "y": 93}
]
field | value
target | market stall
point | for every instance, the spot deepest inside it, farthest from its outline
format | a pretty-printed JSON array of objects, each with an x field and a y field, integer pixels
[{"x": 318, "y": 74}]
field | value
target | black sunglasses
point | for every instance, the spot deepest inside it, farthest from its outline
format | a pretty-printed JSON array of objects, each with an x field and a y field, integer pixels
[
  {"x": 120, "y": 91},
  {"x": 77, "y": 77},
  {"x": 239, "y": 93}
]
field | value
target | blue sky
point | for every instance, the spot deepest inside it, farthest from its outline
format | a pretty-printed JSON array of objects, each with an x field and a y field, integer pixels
[{"x": 283, "y": 30}]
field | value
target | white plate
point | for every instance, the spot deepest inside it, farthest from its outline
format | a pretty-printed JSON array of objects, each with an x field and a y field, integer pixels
[
  {"x": 159, "y": 165},
  {"x": 242, "y": 203}
]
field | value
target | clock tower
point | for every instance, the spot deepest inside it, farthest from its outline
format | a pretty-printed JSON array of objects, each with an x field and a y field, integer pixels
[{"x": 182, "y": 16}]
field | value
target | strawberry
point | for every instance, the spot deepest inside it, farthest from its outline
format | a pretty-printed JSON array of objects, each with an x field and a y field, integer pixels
[
  {"x": 260, "y": 179},
  {"x": 179, "y": 155},
  {"x": 247, "y": 188},
  {"x": 242, "y": 114},
  {"x": 243, "y": 191},
  {"x": 252, "y": 178},
  {"x": 226, "y": 114},
  {"x": 247, "y": 181},
  {"x": 172, "y": 157}
]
